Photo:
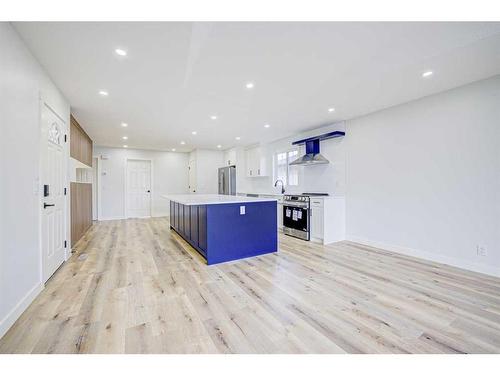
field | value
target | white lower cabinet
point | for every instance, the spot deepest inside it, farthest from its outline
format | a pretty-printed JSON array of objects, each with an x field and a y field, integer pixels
[
  {"x": 327, "y": 223},
  {"x": 317, "y": 222}
]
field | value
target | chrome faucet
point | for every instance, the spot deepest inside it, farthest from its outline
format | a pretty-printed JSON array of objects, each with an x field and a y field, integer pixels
[{"x": 282, "y": 186}]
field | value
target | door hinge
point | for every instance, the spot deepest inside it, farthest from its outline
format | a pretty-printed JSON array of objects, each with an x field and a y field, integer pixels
[
  {"x": 65, "y": 138},
  {"x": 65, "y": 244},
  {"x": 64, "y": 191}
]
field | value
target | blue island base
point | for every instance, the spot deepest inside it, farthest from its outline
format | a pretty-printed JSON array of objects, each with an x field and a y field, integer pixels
[{"x": 225, "y": 232}]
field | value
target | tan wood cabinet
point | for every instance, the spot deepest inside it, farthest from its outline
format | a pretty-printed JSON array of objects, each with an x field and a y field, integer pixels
[
  {"x": 81, "y": 209},
  {"x": 80, "y": 143},
  {"x": 81, "y": 193}
]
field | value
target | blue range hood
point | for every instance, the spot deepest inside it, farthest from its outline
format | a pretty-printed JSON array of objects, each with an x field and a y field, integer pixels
[{"x": 312, "y": 155}]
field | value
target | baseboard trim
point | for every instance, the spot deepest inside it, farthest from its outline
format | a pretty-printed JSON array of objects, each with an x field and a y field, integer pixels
[
  {"x": 425, "y": 255},
  {"x": 125, "y": 218},
  {"x": 16, "y": 312},
  {"x": 111, "y": 218}
]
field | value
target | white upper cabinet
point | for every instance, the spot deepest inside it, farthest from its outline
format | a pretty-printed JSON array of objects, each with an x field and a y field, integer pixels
[
  {"x": 230, "y": 157},
  {"x": 256, "y": 162}
]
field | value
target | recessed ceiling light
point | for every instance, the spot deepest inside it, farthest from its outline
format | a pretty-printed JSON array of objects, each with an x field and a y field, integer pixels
[
  {"x": 125, "y": 146},
  {"x": 194, "y": 133},
  {"x": 213, "y": 117},
  {"x": 124, "y": 137},
  {"x": 103, "y": 93},
  {"x": 173, "y": 149},
  {"x": 219, "y": 146},
  {"x": 249, "y": 85},
  {"x": 331, "y": 109},
  {"x": 267, "y": 126},
  {"x": 427, "y": 74},
  {"x": 183, "y": 143},
  {"x": 238, "y": 138},
  {"x": 124, "y": 124},
  {"x": 120, "y": 52}
]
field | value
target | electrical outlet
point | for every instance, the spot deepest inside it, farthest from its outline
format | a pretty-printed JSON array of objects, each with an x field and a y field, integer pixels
[{"x": 481, "y": 251}]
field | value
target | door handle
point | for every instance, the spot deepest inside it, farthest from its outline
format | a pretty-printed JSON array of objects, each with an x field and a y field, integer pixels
[{"x": 45, "y": 205}]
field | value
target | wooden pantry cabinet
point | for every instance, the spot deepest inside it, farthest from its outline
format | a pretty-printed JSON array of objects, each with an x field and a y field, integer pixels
[
  {"x": 80, "y": 189},
  {"x": 80, "y": 143},
  {"x": 81, "y": 210}
]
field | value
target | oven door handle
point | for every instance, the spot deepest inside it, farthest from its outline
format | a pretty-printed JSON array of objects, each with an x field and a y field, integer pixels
[{"x": 296, "y": 206}]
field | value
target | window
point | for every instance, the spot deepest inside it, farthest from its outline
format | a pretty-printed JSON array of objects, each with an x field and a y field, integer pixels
[{"x": 283, "y": 171}]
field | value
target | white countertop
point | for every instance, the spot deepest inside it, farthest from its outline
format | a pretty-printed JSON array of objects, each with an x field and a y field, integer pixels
[
  {"x": 198, "y": 199},
  {"x": 280, "y": 196}
]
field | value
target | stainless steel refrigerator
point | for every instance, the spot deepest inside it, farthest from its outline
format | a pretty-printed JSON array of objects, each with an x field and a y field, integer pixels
[{"x": 227, "y": 180}]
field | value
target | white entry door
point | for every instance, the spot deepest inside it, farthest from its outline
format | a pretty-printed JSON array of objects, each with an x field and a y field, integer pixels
[
  {"x": 53, "y": 176},
  {"x": 138, "y": 188}
]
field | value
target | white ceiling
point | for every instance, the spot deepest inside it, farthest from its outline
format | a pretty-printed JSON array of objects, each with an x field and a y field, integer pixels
[{"x": 176, "y": 75}]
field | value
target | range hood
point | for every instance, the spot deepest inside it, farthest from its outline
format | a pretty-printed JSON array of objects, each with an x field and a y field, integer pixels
[{"x": 312, "y": 155}]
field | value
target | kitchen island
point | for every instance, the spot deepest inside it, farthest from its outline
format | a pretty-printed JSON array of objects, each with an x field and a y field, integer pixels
[{"x": 225, "y": 227}]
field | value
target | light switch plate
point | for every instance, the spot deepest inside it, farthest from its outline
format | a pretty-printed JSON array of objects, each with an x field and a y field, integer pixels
[{"x": 242, "y": 210}]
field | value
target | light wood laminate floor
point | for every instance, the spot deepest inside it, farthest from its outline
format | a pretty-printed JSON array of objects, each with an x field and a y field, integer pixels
[{"x": 134, "y": 286}]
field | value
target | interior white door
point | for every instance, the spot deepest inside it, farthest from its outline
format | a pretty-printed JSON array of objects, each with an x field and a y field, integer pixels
[
  {"x": 53, "y": 174},
  {"x": 138, "y": 188},
  {"x": 94, "y": 188},
  {"x": 192, "y": 176}
]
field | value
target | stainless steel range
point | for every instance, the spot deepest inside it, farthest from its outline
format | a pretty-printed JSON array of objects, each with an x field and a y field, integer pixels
[
  {"x": 296, "y": 216},
  {"x": 297, "y": 213}
]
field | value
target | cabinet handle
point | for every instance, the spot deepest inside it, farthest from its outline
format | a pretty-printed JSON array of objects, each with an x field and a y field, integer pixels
[
  {"x": 258, "y": 172},
  {"x": 250, "y": 172}
]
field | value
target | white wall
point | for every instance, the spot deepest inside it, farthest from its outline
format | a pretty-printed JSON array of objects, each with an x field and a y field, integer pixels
[
  {"x": 208, "y": 163},
  {"x": 170, "y": 176},
  {"x": 22, "y": 82},
  {"x": 423, "y": 178},
  {"x": 327, "y": 178}
]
